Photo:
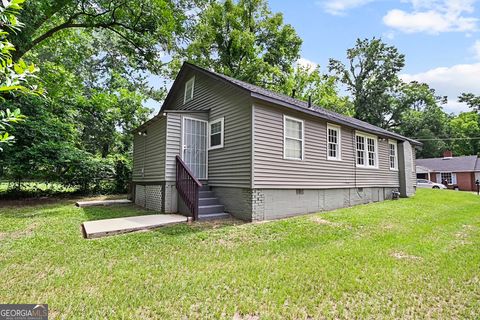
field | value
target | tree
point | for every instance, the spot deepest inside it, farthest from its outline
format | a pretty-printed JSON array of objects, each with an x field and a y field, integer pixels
[
  {"x": 246, "y": 41},
  {"x": 422, "y": 118},
  {"x": 430, "y": 125},
  {"x": 471, "y": 100},
  {"x": 466, "y": 125},
  {"x": 322, "y": 89},
  {"x": 372, "y": 79},
  {"x": 412, "y": 96},
  {"x": 144, "y": 28},
  {"x": 13, "y": 75}
]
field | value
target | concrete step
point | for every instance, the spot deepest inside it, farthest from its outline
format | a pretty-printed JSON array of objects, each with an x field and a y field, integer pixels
[
  {"x": 214, "y": 208},
  {"x": 204, "y": 188},
  {"x": 207, "y": 201},
  {"x": 206, "y": 194},
  {"x": 213, "y": 216}
]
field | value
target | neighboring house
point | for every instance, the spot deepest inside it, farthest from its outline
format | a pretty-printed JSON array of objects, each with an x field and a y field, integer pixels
[
  {"x": 262, "y": 155},
  {"x": 459, "y": 172}
]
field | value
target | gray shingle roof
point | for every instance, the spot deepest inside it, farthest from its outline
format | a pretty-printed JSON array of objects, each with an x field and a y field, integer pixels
[
  {"x": 454, "y": 164},
  {"x": 262, "y": 93}
]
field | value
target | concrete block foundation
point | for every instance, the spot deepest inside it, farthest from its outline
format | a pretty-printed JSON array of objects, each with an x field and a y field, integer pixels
[{"x": 263, "y": 204}]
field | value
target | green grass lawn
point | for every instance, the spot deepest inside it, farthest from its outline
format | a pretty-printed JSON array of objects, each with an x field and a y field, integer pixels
[{"x": 412, "y": 258}]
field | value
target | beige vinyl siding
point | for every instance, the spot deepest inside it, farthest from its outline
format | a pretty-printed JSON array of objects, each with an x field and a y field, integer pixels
[
  {"x": 271, "y": 170},
  {"x": 173, "y": 143},
  {"x": 153, "y": 160},
  {"x": 230, "y": 165}
]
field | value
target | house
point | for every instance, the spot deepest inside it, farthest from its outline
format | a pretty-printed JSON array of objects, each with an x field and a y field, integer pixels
[
  {"x": 459, "y": 172},
  {"x": 222, "y": 145}
]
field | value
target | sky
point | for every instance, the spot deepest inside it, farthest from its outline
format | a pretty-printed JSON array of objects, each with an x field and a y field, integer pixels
[{"x": 440, "y": 38}]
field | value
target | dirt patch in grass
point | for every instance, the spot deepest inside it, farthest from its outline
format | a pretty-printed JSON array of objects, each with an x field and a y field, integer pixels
[
  {"x": 238, "y": 316},
  {"x": 218, "y": 223},
  {"x": 28, "y": 231},
  {"x": 319, "y": 220},
  {"x": 399, "y": 255},
  {"x": 463, "y": 236}
]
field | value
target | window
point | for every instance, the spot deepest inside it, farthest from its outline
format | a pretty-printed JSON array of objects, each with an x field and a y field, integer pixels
[
  {"x": 215, "y": 134},
  {"x": 360, "y": 150},
  {"x": 367, "y": 153},
  {"x": 189, "y": 87},
  {"x": 372, "y": 158},
  {"x": 293, "y": 134},
  {"x": 333, "y": 142},
  {"x": 450, "y": 177},
  {"x": 392, "y": 148}
]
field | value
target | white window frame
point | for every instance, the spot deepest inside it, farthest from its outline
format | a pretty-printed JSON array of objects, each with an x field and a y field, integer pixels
[
  {"x": 453, "y": 176},
  {"x": 285, "y": 117},
  {"x": 395, "y": 144},
  {"x": 190, "y": 81},
  {"x": 365, "y": 164},
  {"x": 222, "y": 122},
  {"x": 338, "y": 129}
]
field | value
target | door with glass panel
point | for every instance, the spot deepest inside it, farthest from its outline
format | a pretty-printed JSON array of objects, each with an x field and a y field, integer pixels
[{"x": 194, "y": 152}]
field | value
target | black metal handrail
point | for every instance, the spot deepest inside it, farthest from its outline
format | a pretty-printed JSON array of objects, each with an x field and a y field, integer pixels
[{"x": 187, "y": 186}]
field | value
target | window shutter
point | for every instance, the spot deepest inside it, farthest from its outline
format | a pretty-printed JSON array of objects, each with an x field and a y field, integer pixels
[
  {"x": 454, "y": 178},
  {"x": 439, "y": 178}
]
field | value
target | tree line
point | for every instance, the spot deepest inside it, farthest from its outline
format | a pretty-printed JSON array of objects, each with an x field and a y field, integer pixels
[{"x": 78, "y": 72}]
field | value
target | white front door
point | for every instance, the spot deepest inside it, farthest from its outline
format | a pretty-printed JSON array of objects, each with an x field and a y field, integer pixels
[{"x": 194, "y": 152}]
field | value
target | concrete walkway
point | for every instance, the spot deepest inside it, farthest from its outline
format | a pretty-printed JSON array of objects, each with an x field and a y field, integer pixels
[{"x": 108, "y": 227}]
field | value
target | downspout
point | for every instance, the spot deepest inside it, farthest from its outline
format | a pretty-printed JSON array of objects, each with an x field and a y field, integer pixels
[
  {"x": 143, "y": 167},
  {"x": 354, "y": 161}
]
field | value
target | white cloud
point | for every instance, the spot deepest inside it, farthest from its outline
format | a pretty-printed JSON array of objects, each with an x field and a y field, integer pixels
[
  {"x": 451, "y": 82},
  {"x": 434, "y": 16},
  {"x": 476, "y": 49},
  {"x": 339, "y": 7},
  {"x": 310, "y": 65}
]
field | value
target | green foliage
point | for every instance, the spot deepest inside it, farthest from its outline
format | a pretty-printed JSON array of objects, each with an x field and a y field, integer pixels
[
  {"x": 245, "y": 40},
  {"x": 13, "y": 76},
  {"x": 7, "y": 118},
  {"x": 471, "y": 100},
  {"x": 466, "y": 125},
  {"x": 142, "y": 30},
  {"x": 78, "y": 168},
  {"x": 320, "y": 88},
  {"x": 51, "y": 146},
  {"x": 422, "y": 117},
  {"x": 79, "y": 133},
  {"x": 371, "y": 76}
]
